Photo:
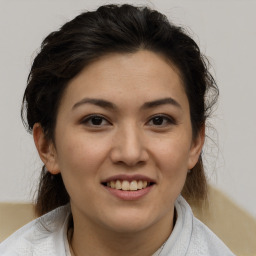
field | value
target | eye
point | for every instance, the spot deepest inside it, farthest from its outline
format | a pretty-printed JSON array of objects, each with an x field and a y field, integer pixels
[
  {"x": 95, "y": 121},
  {"x": 161, "y": 120}
]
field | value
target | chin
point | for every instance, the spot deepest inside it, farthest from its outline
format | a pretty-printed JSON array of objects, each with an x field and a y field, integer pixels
[
  {"x": 130, "y": 222},
  {"x": 129, "y": 227}
]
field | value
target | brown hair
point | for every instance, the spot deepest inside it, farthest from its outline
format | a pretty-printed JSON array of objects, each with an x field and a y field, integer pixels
[{"x": 91, "y": 35}]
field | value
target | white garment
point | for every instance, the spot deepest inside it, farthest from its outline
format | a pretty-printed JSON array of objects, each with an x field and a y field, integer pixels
[{"x": 47, "y": 236}]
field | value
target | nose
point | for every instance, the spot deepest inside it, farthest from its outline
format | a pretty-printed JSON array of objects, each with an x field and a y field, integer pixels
[{"x": 128, "y": 147}]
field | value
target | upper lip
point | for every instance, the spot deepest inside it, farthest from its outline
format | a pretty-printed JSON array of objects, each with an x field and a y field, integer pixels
[{"x": 129, "y": 178}]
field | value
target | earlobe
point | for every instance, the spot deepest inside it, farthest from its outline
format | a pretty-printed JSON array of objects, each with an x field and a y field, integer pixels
[
  {"x": 196, "y": 148},
  {"x": 46, "y": 149}
]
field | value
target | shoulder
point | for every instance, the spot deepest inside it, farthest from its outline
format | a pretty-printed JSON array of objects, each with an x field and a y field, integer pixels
[
  {"x": 191, "y": 237},
  {"x": 205, "y": 242},
  {"x": 43, "y": 236}
]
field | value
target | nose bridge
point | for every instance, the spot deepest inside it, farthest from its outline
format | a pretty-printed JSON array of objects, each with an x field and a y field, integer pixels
[{"x": 129, "y": 147}]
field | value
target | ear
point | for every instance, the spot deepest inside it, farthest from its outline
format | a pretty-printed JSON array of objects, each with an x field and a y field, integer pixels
[
  {"x": 196, "y": 148},
  {"x": 46, "y": 149}
]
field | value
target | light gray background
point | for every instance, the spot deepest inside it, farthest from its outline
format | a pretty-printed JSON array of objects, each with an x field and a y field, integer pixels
[{"x": 226, "y": 33}]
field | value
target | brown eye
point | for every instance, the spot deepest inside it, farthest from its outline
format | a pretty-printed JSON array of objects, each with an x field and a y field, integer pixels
[
  {"x": 95, "y": 121},
  {"x": 161, "y": 120},
  {"x": 158, "y": 120}
]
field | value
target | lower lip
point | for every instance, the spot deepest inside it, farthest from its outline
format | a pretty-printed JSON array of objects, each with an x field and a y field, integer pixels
[{"x": 129, "y": 195}]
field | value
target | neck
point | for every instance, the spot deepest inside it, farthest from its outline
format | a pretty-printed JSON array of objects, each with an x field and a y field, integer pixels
[{"x": 92, "y": 240}]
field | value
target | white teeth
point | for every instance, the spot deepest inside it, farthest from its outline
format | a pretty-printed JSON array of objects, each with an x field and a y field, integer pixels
[
  {"x": 112, "y": 184},
  {"x": 140, "y": 184},
  {"x": 126, "y": 185},
  {"x": 118, "y": 184},
  {"x": 133, "y": 185}
]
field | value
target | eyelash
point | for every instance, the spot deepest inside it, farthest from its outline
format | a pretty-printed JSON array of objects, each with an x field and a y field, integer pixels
[
  {"x": 168, "y": 120},
  {"x": 90, "y": 117}
]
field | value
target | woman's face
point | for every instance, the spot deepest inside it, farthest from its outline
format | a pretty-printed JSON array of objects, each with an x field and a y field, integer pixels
[{"x": 123, "y": 141}]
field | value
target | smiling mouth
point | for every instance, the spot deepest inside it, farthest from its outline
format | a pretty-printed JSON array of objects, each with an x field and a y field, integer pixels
[{"x": 126, "y": 185}]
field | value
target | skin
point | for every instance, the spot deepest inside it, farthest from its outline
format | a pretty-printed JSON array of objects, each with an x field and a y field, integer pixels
[{"x": 128, "y": 139}]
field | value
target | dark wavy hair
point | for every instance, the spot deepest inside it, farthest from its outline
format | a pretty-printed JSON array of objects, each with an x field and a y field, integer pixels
[{"x": 88, "y": 37}]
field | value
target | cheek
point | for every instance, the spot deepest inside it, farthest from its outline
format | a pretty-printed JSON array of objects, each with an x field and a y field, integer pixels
[
  {"x": 79, "y": 162},
  {"x": 172, "y": 160},
  {"x": 173, "y": 153},
  {"x": 174, "y": 173},
  {"x": 79, "y": 157},
  {"x": 174, "y": 169}
]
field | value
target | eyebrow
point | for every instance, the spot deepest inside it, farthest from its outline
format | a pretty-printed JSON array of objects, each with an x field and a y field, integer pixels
[
  {"x": 109, "y": 105},
  {"x": 164, "y": 101},
  {"x": 97, "y": 102}
]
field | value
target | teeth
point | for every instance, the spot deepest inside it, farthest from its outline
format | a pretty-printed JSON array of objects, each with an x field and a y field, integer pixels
[
  {"x": 118, "y": 184},
  {"x": 112, "y": 184},
  {"x": 133, "y": 185},
  {"x": 140, "y": 184},
  {"x": 128, "y": 186},
  {"x": 125, "y": 185}
]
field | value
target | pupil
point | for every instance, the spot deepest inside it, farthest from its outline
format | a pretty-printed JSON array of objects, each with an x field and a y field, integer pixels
[
  {"x": 96, "y": 120},
  {"x": 158, "y": 120}
]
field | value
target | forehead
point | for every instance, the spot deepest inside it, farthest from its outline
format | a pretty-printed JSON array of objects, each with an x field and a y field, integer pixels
[{"x": 143, "y": 75}]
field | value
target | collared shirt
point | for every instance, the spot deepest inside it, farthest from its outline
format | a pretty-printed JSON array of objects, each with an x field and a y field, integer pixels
[{"x": 47, "y": 235}]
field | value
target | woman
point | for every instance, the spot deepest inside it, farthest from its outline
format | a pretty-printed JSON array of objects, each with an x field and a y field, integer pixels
[{"x": 117, "y": 101}]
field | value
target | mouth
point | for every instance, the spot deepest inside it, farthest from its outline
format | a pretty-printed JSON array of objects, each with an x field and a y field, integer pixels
[{"x": 127, "y": 185}]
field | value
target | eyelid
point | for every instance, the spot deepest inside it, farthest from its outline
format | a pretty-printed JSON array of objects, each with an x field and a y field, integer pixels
[
  {"x": 87, "y": 118},
  {"x": 170, "y": 119}
]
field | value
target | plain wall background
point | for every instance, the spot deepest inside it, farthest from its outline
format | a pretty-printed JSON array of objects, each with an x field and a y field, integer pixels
[{"x": 226, "y": 33}]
